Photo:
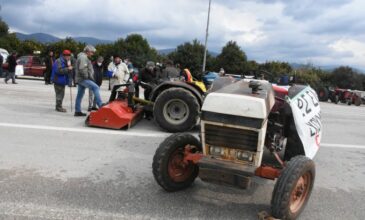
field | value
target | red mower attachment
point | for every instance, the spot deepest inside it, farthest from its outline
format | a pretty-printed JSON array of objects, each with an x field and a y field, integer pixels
[{"x": 120, "y": 112}]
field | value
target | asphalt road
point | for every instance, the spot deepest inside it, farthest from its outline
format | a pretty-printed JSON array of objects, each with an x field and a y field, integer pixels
[{"x": 53, "y": 167}]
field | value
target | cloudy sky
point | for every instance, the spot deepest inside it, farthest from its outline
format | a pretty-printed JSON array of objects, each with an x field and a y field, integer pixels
[{"x": 322, "y": 32}]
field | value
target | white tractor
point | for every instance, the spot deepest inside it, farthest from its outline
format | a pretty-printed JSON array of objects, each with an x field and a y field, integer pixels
[{"x": 240, "y": 120}]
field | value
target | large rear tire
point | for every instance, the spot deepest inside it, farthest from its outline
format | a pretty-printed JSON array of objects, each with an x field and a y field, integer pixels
[
  {"x": 293, "y": 188},
  {"x": 323, "y": 94},
  {"x": 176, "y": 110},
  {"x": 168, "y": 167}
]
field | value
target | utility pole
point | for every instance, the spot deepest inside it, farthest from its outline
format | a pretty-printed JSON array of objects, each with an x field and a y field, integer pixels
[{"x": 206, "y": 39}]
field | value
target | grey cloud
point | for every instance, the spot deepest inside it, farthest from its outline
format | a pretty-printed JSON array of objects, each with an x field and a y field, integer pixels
[{"x": 308, "y": 9}]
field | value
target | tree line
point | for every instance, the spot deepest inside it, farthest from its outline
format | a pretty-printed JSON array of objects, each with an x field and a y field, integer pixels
[{"x": 190, "y": 55}]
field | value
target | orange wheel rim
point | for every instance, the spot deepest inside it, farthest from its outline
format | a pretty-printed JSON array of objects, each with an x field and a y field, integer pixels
[
  {"x": 178, "y": 170},
  {"x": 300, "y": 192}
]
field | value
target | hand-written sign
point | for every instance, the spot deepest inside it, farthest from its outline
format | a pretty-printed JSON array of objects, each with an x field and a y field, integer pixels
[{"x": 307, "y": 118}]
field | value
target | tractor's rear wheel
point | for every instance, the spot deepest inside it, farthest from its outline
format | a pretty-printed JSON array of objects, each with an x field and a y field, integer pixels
[
  {"x": 176, "y": 110},
  {"x": 170, "y": 170},
  {"x": 293, "y": 188},
  {"x": 323, "y": 94}
]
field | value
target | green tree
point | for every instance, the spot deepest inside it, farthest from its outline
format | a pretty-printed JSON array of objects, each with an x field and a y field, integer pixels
[
  {"x": 29, "y": 46},
  {"x": 67, "y": 44},
  {"x": 190, "y": 55},
  {"x": 232, "y": 58},
  {"x": 4, "y": 28},
  {"x": 347, "y": 78},
  {"x": 10, "y": 42},
  {"x": 277, "y": 68},
  {"x": 138, "y": 50}
]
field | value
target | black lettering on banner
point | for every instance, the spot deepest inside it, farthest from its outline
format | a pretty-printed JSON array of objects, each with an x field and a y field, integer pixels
[
  {"x": 315, "y": 103},
  {"x": 307, "y": 109},
  {"x": 314, "y": 95},
  {"x": 300, "y": 104},
  {"x": 314, "y": 125}
]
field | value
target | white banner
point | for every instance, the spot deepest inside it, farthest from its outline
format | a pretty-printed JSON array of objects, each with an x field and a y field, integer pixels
[
  {"x": 19, "y": 70},
  {"x": 307, "y": 117}
]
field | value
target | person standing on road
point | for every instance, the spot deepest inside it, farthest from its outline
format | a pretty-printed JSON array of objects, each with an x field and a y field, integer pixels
[
  {"x": 84, "y": 79},
  {"x": 98, "y": 79},
  {"x": 1, "y": 65},
  {"x": 49, "y": 64},
  {"x": 60, "y": 76},
  {"x": 11, "y": 68},
  {"x": 118, "y": 72},
  {"x": 149, "y": 78}
]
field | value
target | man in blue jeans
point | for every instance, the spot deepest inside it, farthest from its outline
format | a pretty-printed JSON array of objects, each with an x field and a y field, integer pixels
[{"x": 84, "y": 79}]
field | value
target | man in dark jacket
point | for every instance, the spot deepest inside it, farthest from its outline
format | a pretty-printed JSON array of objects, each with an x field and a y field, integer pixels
[
  {"x": 11, "y": 68},
  {"x": 1, "y": 65},
  {"x": 49, "y": 64},
  {"x": 170, "y": 72},
  {"x": 62, "y": 76},
  {"x": 98, "y": 79},
  {"x": 149, "y": 78}
]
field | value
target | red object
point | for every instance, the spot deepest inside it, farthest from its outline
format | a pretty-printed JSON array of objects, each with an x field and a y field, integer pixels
[
  {"x": 193, "y": 157},
  {"x": 115, "y": 115},
  {"x": 188, "y": 76},
  {"x": 66, "y": 53},
  {"x": 267, "y": 172},
  {"x": 281, "y": 91}
]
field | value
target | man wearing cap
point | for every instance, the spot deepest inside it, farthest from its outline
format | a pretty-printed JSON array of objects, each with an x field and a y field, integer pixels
[
  {"x": 84, "y": 79},
  {"x": 61, "y": 72}
]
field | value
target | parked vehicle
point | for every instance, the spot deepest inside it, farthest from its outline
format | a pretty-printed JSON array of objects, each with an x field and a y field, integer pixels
[
  {"x": 4, "y": 53},
  {"x": 33, "y": 65},
  {"x": 337, "y": 95},
  {"x": 240, "y": 120},
  {"x": 175, "y": 106}
]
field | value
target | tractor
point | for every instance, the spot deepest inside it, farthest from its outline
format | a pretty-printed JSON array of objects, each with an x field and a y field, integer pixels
[
  {"x": 241, "y": 120},
  {"x": 337, "y": 95},
  {"x": 175, "y": 105}
]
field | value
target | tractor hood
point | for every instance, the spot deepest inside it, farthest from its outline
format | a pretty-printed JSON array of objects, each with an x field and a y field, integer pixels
[{"x": 239, "y": 99}]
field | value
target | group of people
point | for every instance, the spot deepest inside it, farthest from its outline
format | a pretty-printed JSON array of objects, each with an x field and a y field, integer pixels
[
  {"x": 81, "y": 71},
  {"x": 87, "y": 75}
]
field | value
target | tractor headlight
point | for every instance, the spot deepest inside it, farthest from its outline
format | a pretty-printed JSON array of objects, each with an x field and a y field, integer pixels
[
  {"x": 216, "y": 151},
  {"x": 244, "y": 155}
]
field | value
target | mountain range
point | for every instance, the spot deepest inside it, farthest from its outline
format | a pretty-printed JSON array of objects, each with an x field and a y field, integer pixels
[{"x": 47, "y": 38}]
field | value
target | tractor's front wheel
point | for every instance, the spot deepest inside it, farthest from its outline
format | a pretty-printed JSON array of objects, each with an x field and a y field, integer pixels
[
  {"x": 169, "y": 168},
  {"x": 176, "y": 110},
  {"x": 293, "y": 188}
]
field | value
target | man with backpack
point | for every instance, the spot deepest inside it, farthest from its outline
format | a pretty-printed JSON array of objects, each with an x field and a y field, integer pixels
[{"x": 61, "y": 75}]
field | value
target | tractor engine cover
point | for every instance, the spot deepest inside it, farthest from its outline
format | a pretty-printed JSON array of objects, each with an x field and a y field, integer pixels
[{"x": 245, "y": 103}]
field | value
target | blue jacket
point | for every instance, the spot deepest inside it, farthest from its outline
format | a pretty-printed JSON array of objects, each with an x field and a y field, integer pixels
[{"x": 60, "y": 73}]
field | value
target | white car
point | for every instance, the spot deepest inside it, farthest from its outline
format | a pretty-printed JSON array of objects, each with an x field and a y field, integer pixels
[{"x": 5, "y": 54}]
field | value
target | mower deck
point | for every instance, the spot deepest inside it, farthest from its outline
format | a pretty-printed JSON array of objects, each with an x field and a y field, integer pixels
[{"x": 115, "y": 115}]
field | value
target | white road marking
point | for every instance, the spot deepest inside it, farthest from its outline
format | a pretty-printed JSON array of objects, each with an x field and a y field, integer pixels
[
  {"x": 141, "y": 133},
  {"x": 342, "y": 145}
]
